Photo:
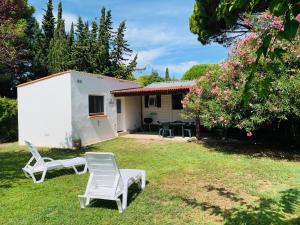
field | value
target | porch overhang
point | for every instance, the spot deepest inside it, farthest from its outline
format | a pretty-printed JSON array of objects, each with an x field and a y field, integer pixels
[{"x": 152, "y": 91}]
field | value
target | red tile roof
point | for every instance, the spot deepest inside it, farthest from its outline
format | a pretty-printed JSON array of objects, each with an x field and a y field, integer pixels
[{"x": 152, "y": 90}]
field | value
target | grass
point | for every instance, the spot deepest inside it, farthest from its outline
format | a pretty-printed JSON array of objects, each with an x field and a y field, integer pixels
[{"x": 188, "y": 183}]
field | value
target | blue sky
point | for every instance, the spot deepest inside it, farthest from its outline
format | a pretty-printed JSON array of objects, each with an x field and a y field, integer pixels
[{"x": 158, "y": 30}]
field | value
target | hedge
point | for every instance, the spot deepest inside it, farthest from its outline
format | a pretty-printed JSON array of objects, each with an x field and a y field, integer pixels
[{"x": 8, "y": 120}]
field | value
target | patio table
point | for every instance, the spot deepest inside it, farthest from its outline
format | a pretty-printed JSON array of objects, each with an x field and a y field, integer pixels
[{"x": 178, "y": 124}]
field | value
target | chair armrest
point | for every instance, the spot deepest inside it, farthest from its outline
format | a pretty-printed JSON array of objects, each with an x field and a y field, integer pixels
[{"x": 47, "y": 158}]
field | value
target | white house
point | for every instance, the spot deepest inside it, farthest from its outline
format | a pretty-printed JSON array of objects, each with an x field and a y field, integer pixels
[{"x": 55, "y": 110}]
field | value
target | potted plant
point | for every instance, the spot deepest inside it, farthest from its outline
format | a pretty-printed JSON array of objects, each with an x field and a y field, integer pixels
[{"x": 76, "y": 141}]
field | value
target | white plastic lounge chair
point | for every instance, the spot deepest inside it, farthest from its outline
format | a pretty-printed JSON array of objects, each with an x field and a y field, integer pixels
[
  {"x": 107, "y": 181},
  {"x": 43, "y": 164}
]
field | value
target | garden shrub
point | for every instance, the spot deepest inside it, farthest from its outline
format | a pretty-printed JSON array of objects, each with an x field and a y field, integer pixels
[
  {"x": 8, "y": 120},
  {"x": 249, "y": 93}
]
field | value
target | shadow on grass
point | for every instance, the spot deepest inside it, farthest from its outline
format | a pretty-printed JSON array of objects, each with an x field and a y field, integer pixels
[
  {"x": 254, "y": 150},
  {"x": 133, "y": 192},
  {"x": 260, "y": 212},
  {"x": 12, "y": 163}
]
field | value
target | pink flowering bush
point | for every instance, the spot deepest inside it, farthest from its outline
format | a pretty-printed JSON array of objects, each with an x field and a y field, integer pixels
[{"x": 218, "y": 98}]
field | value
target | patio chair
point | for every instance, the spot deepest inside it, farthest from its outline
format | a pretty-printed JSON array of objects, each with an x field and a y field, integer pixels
[
  {"x": 44, "y": 164},
  {"x": 107, "y": 181},
  {"x": 187, "y": 129},
  {"x": 166, "y": 129}
]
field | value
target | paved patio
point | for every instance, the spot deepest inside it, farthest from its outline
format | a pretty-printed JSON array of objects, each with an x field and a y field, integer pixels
[{"x": 155, "y": 136}]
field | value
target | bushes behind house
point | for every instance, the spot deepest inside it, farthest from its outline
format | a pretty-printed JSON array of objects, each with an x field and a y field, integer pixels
[{"x": 8, "y": 120}]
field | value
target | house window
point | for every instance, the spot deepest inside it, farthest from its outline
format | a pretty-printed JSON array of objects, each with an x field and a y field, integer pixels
[
  {"x": 119, "y": 106},
  {"x": 96, "y": 105},
  {"x": 176, "y": 101},
  {"x": 152, "y": 101}
]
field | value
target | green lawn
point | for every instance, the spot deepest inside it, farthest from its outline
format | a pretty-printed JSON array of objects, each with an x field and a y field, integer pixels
[{"x": 188, "y": 183}]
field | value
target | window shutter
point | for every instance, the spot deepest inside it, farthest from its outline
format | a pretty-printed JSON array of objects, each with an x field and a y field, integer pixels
[
  {"x": 158, "y": 101},
  {"x": 146, "y": 101}
]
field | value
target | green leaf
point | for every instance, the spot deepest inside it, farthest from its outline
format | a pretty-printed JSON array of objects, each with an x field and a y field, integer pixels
[
  {"x": 278, "y": 7},
  {"x": 290, "y": 29},
  {"x": 265, "y": 45}
]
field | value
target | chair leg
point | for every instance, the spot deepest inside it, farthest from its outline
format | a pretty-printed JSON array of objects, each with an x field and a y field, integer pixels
[
  {"x": 42, "y": 178},
  {"x": 143, "y": 179},
  {"x": 82, "y": 172},
  {"x": 26, "y": 174},
  {"x": 82, "y": 201},
  {"x": 119, "y": 204},
  {"x": 124, "y": 198}
]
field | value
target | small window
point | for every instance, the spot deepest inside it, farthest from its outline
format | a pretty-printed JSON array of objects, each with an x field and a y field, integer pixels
[
  {"x": 176, "y": 101},
  {"x": 152, "y": 101},
  {"x": 96, "y": 105},
  {"x": 119, "y": 106}
]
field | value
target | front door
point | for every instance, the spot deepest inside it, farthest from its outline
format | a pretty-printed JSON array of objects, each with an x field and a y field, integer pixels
[{"x": 120, "y": 121}]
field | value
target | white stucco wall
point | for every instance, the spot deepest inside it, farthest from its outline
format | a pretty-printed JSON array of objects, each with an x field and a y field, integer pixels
[
  {"x": 92, "y": 130},
  {"x": 44, "y": 112},
  {"x": 163, "y": 114},
  {"x": 132, "y": 115}
]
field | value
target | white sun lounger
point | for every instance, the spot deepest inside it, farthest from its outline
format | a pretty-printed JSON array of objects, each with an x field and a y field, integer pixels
[
  {"x": 107, "y": 181},
  {"x": 44, "y": 164}
]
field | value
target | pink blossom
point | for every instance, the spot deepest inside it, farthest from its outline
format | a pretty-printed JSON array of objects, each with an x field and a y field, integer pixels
[
  {"x": 221, "y": 118},
  {"x": 213, "y": 91},
  {"x": 246, "y": 22},
  {"x": 249, "y": 134},
  {"x": 298, "y": 17}
]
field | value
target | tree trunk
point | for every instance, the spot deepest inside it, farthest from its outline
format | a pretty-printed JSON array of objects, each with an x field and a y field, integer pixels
[{"x": 197, "y": 120}]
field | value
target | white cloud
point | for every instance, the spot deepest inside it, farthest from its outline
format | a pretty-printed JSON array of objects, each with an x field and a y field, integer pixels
[
  {"x": 68, "y": 17},
  {"x": 147, "y": 57},
  {"x": 158, "y": 35},
  {"x": 178, "y": 68}
]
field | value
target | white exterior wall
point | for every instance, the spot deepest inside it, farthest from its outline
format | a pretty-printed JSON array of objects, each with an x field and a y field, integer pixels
[
  {"x": 163, "y": 114},
  {"x": 92, "y": 130},
  {"x": 132, "y": 115},
  {"x": 44, "y": 112}
]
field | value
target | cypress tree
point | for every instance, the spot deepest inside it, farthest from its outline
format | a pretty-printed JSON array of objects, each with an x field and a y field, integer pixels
[
  {"x": 58, "y": 52},
  {"x": 48, "y": 24},
  {"x": 167, "y": 75},
  {"x": 70, "y": 48},
  {"x": 39, "y": 52},
  {"x": 120, "y": 46},
  {"x": 102, "y": 59},
  {"x": 82, "y": 54},
  {"x": 60, "y": 28},
  {"x": 118, "y": 56}
]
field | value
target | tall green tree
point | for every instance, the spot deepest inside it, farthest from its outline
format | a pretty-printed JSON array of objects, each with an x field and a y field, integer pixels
[
  {"x": 199, "y": 70},
  {"x": 58, "y": 52},
  {"x": 102, "y": 59},
  {"x": 48, "y": 23},
  {"x": 167, "y": 75},
  {"x": 120, "y": 54},
  {"x": 39, "y": 53}
]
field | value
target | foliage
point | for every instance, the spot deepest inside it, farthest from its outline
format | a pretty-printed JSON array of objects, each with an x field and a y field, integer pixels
[
  {"x": 221, "y": 20},
  {"x": 28, "y": 51},
  {"x": 48, "y": 24},
  {"x": 145, "y": 80},
  {"x": 8, "y": 120},
  {"x": 271, "y": 96},
  {"x": 198, "y": 70},
  {"x": 167, "y": 75},
  {"x": 94, "y": 49},
  {"x": 183, "y": 179},
  {"x": 15, "y": 32}
]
